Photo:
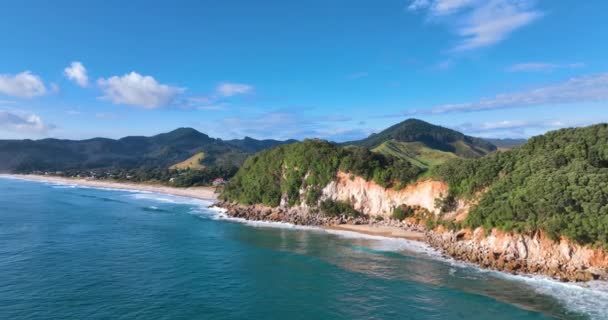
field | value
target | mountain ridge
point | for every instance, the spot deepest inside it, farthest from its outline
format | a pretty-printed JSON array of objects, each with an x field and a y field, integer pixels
[
  {"x": 425, "y": 144},
  {"x": 161, "y": 150}
]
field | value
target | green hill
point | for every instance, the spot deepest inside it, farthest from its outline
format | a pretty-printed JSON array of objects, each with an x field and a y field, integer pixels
[
  {"x": 159, "y": 151},
  {"x": 415, "y": 152},
  {"x": 557, "y": 182},
  {"x": 425, "y": 144},
  {"x": 193, "y": 163},
  {"x": 507, "y": 143},
  {"x": 280, "y": 173}
]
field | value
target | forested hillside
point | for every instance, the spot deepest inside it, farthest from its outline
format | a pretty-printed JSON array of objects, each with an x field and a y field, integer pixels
[
  {"x": 557, "y": 182},
  {"x": 281, "y": 173},
  {"x": 159, "y": 151},
  {"x": 425, "y": 144}
]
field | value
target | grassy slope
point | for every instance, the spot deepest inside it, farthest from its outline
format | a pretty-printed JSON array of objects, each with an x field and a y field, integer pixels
[
  {"x": 194, "y": 163},
  {"x": 415, "y": 152}
]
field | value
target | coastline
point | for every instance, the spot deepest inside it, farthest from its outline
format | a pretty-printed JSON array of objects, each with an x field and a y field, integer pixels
[
  {"x": 446, "y": 243},
  {"x": 202, "y": 193},
  {"x": 382, "y": 231},
  {"x": 501, "y": 251},
  {"x": 546, "y": 285}
]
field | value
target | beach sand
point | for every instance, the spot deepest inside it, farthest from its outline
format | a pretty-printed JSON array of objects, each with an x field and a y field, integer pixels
[
  {"x": 384, "y": 231},
  {"x": 205, "y": 193}
]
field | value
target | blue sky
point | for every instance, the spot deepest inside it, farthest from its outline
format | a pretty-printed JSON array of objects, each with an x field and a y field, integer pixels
[{"x": 335, "y": 69}]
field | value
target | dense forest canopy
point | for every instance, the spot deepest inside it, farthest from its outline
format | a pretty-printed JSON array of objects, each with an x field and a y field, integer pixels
[
  {"x": 557, "y": 182},
  {"x": 281, "y": 173},
  {"x": 159, "y": 152}
]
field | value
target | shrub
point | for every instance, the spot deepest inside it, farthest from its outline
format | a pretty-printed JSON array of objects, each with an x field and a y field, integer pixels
[
  {"x": 401, "y": 212},
  {"x": 333, "y": 208},
  {"x": 447, "y": 203}
]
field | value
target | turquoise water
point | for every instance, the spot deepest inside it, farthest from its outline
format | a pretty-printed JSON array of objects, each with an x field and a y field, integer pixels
[{"x": 78, "y": 253}]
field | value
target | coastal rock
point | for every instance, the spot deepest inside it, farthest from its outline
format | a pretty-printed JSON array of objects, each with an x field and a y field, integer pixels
[
  {"x": 517, "y": 253},
  {"x": 373, "y": 199},
  {"x": 505, "y": 251}
]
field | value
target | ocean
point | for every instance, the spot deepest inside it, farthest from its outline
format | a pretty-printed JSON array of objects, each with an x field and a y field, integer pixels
[{"x": 69, "y": 252}]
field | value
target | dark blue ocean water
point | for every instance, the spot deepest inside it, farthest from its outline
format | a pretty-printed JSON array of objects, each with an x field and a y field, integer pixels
[{"x": 80, "y": 253}]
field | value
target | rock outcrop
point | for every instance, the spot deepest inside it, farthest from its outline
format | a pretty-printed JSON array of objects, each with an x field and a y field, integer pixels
[
  {"x": 303, "y": 216},
  {"x": 375, "y": 200},
  {"x": 504, "y": 251},
  {"x": 517, "y": 253}
]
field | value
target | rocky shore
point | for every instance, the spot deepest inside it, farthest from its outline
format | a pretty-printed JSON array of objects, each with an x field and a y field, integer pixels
[
  {"x": 305, "y": 217},
  {"x": 508, "y": 252},
  {"x": 523, "y": 254}
]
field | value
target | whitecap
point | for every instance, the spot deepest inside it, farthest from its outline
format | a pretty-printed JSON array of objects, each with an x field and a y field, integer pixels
[{"x": 166, "y": 198}]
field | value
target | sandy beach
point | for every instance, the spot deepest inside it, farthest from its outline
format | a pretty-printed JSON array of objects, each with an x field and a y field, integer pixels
[
  {"x": 205, "y": 193},
  {"x": 384, "y": 231}
]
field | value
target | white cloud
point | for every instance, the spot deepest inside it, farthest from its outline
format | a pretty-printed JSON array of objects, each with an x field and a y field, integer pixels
[
  {"x": 22, "y": 123},
  {"x": 419, "y": 4},
  {"x": 228, "y": 89},
  {"x": 479, "y": 23},
  {"x": 542, "y": 66},
  {"x": 77, "y": 73},
  {"x": 575, "y": 90},
  {"x": 291, "y": 123},
  {"x": 22, "y": 85},
  {"x": 519, "y": 128},
  {"x": 137, "y": 90},
  {"x": 445, "y": 7}
]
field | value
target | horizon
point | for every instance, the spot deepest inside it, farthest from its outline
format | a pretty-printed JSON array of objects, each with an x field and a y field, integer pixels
[
  {"x": 263, "y": 138},
  {"x": 338, "y": 71}
]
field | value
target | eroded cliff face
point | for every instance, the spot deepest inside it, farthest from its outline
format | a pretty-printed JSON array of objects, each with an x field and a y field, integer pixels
[
  {"x": 505, "y": 251},
  {"x": 499, "y": 250},
  {"x": 375, "y": 200},
  {"x": 512, "y": 252}
]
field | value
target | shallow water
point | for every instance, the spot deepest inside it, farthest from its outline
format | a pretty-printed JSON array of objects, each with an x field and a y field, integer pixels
[{"x": 76, "y": 253}]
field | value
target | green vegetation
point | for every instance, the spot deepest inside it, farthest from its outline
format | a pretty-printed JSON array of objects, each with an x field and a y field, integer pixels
[
  {"x": 415, "y": 152},
  {"x": 557, "y": 182},
  {"x": 333, "y": 208},
  {"x": 403, "y": 211},
  {"x": 175, "y": 178},
  {"x": 159, "y": 152},
  {"x": 430, "y": 136},
  {"x": 194, "y": 163},
  {"x": 281, "y": 173},
  {"x": 446, "y": 203}
]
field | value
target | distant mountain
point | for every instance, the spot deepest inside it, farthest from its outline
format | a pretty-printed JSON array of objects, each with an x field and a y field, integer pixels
[
  {"x": 162, "y": 150},
  {"x": 507, "y": 143},
  {"x": 425, "y": 144},
  {"x": 252, "y": 145}
]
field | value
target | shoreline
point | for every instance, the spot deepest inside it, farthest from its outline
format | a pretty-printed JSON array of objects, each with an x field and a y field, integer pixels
[
  {"x": 382, "y": 231},
  {"x": 547, "y": 284},
  {"x": 500, "y": 251},
  {"x": 268, "y": 215},
  {"x": 201, "y": 193}
]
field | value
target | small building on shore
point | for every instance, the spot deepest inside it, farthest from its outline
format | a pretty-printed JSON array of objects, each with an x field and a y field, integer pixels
[{"x": 219, "y": 182}]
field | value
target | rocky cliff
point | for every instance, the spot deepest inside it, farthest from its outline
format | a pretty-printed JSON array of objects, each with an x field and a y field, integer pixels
[
  {"x": 375, "y": 200},
  {"x": 517, "y": 253},
  {"x": 496, "y": 249}
]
